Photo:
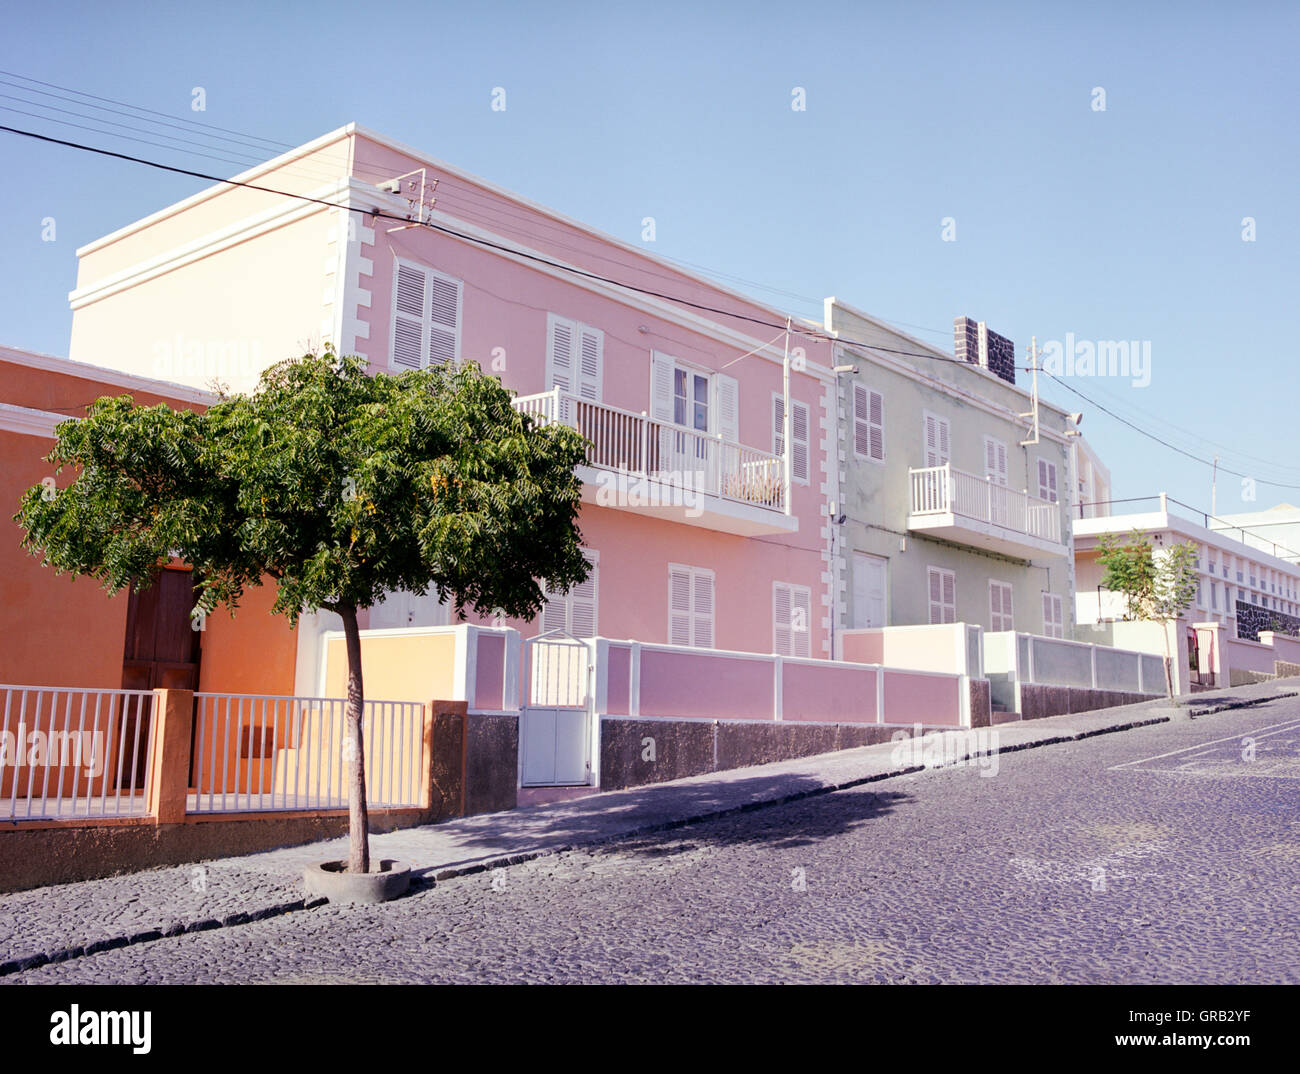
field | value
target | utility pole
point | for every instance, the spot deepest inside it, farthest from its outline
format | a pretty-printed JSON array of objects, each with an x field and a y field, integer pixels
[
  {"x": 1033, "y": 366},
  {"x": 786, "y": 424}
]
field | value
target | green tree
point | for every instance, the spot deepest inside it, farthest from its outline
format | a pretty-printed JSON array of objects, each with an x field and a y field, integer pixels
[
  {"x": 340, "y": 486},
  {"x": 1157, "y": 586}
]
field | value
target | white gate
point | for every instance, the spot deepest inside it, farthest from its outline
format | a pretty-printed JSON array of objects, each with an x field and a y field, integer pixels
[{"x": 555, "y": 725}]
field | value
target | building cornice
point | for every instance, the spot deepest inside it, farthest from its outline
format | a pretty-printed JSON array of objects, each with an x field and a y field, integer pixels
[{"x": 117, "y": 378}]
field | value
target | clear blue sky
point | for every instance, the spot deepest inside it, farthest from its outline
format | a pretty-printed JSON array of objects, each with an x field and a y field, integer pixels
[{"x": 1122, "y": 224}]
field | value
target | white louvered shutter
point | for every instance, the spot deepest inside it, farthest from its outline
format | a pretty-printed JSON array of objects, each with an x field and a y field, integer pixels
[
  {"x": 583, "y": 600},
  {"x": 1047, "y": 481},
  {"x": 876, "y": 421},
  {"x": 591, "y": 345},
  {"x": 799, "y": 434},
  {"x": 936, "y": 595},
  {"x": 559, "y": 355},
  {"x": 555, "y": 613},
  {"x": 949, "y": 597},
  {"x": 781, "y": 640},
  {"x": 792, "y": 619},
  {"x": 727, "y": 395},
  {"x": 861, "y": 421},
  {"x": 444, "y": 319},
  {"x": 936, "y": 441},
  {"x": 409, "y": 287},
  {"x": 679, "y": 606},
  {"x": 702, "y": 598}
]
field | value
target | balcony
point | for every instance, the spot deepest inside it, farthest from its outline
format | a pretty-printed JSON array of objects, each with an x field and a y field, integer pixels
[
  {"x": 655, "y": 468},
  {"x": 970, "y": 510}
]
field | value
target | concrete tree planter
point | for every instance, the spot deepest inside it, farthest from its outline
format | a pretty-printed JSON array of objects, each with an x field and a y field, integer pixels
[{"x": 386, "y": 880}]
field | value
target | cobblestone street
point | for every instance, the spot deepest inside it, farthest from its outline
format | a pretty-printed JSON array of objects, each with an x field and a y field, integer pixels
[{"x": 1164, "y": 854}]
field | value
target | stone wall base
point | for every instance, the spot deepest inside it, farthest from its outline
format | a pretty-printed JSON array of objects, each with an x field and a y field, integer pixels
[{"x": 1038, "y": 701}]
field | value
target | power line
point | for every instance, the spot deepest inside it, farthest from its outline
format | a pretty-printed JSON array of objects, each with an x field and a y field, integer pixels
[{"x": 1158, "y": 440}]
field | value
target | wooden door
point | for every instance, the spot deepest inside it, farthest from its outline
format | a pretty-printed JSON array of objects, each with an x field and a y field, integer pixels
[{"x": 162, "y": 650}]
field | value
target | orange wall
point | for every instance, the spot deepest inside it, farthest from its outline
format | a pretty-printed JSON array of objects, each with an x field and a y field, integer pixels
[
  {"x": 253, "y": 653},
  {"x": 54, "y": 630}
]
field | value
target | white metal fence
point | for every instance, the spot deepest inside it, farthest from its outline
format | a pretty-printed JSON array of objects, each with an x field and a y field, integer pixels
[
  {"x": 627, "y": 442},
  {"x": 70, "y": 753},
  {"x": 254, "y": 752},
  {"x": 946, "y": 490}
]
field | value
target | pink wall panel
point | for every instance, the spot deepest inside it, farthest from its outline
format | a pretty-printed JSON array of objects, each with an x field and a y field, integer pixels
[
  {"x": 490, "y": 671},
  {"x": 698, "y": 684},
  {"x": 618, "y": 681},
  {"x": 932, "y": 700},
  {"x": 828, "y": 692}
]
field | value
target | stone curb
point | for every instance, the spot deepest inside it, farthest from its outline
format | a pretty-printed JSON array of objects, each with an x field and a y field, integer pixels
[{"x": 423, "y": 882}]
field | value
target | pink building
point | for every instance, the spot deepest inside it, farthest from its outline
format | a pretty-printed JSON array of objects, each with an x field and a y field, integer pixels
[{"x": 686, "y": 520}]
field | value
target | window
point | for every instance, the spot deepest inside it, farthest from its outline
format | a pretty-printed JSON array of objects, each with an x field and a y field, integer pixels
[
  {"x": 690, "y": 606},
  {"x": 693, "y": 398},
  {"x": 943, "y": 595},
  {"x": 1000, "y": 606},
  {"x": 1214, "y": 596},
  {"x": 426, "y": 317},
  {"x": 936, "y": 440},
  {"x": 1053, "y": 615},
  {"x": 1047, "y": 481},
  {"x": 868, "y": 423},
  {"x": 995, "y": 461},
  {"x": 791, "y": 619},
  {"x": 574, "y": 612},
  {"x": 798, "y": 433},
  {"x": 574, "y": 357}
]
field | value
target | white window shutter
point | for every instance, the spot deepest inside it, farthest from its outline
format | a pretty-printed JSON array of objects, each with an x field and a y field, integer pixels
[
  {"x": 409, "y": 287},
  {"x": 444, "y": 319},
  {"x": 778, "y": 425},
  {"x": 936, "y": 595},
  {"x": 862, "y": 421},
  {"x": 781, "y": 642},
  {"x": 661, "y": 388},
  {"x": 727, "y": 406},
  {"x": 702, "y": 595},
  {"x": 555, "y": 612},
  {"x": 876, "y": 418},
  {"x": 799, "y": 434},
  {"x": 1002, "y": 463},
  {"x": 559, "y": 355},
  {"x": 801, "y": 625},
  {"x": 931, "y": 442},
  {"x": 591, "y": 345},
  {"x": 990, "y": 457},
  {"x": 949, "y": 597},
  {"x": 679, "y": 606},
  {"x": 583, "y": 600}
]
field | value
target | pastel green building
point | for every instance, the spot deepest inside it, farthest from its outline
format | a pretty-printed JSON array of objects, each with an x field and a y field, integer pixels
[{"x": 952, "y": 501}]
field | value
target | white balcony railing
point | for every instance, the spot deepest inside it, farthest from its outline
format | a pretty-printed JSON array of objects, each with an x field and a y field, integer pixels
[
  {"x": 939, "y": 490},
  {"x": 624, "y": 441}
]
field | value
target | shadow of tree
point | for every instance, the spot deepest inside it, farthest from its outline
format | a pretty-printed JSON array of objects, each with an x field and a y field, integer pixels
[{"x": 643, "y": 821}]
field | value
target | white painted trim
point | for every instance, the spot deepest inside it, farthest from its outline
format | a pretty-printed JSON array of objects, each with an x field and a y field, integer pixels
[
  {"x": 88, "y": 371},
  {"x": 30, "y": 422}
]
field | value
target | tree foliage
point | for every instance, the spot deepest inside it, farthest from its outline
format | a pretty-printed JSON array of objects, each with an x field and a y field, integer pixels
[{"x": 341, "y": 486}]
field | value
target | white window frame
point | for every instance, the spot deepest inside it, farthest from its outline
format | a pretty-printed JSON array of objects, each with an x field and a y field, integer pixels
[
  {"x": 806, "y": 442},
  {"x": 941, "y": 604},
  {"x": 1001, "y": 620},
  {"x": 578, "y": 384},
  {"x": 567, "y": 600},
  {"x": 798, "y": 642},
  {"x": 863, "y": 425},
  {"x": 426, "y": 318},
  {"x": 1050, "y": 491},
  {"x": 942, "y": 457},
  {"x": 693, "y": 574},
  {"x": 1000, "y": 478},
  {"x": 1054, "y": 627}
]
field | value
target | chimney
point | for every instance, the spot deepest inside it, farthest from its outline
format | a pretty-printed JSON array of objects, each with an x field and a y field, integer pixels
[{"x": 975, "y": 343}]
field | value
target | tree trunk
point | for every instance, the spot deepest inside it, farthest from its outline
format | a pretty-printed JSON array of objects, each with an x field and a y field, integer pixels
[
  {"x": 354, "y": 750},
  {"x": 1169, "y": 661}
]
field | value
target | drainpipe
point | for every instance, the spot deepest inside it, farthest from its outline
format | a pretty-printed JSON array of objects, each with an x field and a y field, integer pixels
[{"x": 787, "y": 464}]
